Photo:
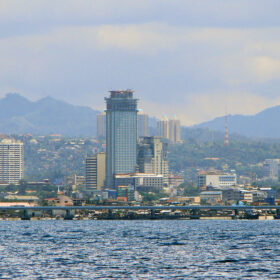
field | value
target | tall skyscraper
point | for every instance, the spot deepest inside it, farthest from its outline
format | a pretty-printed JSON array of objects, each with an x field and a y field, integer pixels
[
  {"x": 95, "y": 171},
  {"x": 169, "y": 129},
  {"x": 152, "y": 157},
  {"x": 174, "y": 131},
  {"x": 101, "y": 125},
  {"x": 163, "y": 128},
  {"x": 11, "y": 161},
  {"x": 121, "y": 134},
  {"x": 143, "y": 125}
]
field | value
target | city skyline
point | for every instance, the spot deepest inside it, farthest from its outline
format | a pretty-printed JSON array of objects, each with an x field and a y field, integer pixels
[{"x": 198, "y": 60}]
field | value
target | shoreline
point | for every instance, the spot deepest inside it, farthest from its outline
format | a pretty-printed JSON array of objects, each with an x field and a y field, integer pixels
[{"x": 260, "y": 218}]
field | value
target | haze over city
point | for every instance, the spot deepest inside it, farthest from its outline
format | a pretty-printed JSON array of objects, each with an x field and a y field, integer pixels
[{"x": 189, "y": 58}]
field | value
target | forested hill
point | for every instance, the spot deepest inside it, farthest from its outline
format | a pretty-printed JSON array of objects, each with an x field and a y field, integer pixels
[
  {"x": 262, "y": 125},
  {"x": 19, "y": 115}
]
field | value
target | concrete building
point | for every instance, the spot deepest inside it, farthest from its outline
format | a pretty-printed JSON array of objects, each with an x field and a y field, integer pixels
[
  {"x": 121, "y": 134},
  {"x": 141, "y": 181},
  {"x": 126, "y": 193},
  {"x": 175, "y": 181},
  {"x": 95, "y": 171},
  {"x": 152, "y": 157},
  {"x": 174, "y": 131},
  {"x": 211, "y": 197},
  {"x": 75, "y": 180},
  {"x": 143, "y": 125},
  {"x": 231, "y": 194},
  {"x": 101, "y": 125},
  {"x": 163, "y": 128},
  {"x": 215, "y": 179},
  {"x": 271, "y": 168},
  {"x": 11, "y": 161},
  {"x": 254, "y": 196},
  {"x": 169, "y": 129}
]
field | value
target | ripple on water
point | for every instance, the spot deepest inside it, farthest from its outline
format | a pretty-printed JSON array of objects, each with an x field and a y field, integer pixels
[{"x": 139, "y": 250}]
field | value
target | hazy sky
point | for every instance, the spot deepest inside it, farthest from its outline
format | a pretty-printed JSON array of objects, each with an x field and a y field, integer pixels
[{"x": 191, "y": 58}]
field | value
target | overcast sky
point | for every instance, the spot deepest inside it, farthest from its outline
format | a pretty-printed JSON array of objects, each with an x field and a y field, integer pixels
[{"x": 190, "y": 58}]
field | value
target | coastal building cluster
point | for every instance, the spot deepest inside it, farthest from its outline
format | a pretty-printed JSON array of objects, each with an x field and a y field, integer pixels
[{"x": 127, "y": 163}]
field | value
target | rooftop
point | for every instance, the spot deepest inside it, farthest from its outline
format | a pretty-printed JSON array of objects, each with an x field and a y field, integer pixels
[{"x": 121, "y": 93}]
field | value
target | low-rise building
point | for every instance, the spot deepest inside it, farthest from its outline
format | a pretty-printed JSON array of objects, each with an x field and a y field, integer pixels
[
  {"x": 175, "y": 181},
  {"x": 254, "y": 196},
  {"x": 22, "y": 197},
  {"x": 141, "y": 181},
  {"x": 126, "y": 193},
  {"x": 211, "y": 197},
  {"x": 60, "y": 200},
  {"x": 216, "y": 179},
  {"x": 230, "y": 194}
]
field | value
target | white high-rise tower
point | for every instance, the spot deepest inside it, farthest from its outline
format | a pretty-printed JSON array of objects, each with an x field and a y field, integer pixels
[{"x": 11, "y": 161}]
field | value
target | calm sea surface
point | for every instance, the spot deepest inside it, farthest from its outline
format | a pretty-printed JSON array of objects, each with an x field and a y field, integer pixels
[{"x": 140, "y": 249}]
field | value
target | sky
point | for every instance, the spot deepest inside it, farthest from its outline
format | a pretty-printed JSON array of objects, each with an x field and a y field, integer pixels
[{"x": 195, "y": 59}]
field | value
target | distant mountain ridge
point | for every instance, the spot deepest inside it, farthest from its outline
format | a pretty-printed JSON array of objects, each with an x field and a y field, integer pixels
[
  {"x": 265, "y": 124},
  {"x": 19, "y": 115}
]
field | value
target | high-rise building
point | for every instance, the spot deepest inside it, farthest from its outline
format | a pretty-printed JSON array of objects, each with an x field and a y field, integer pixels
[
  {"x": 121, "y": 134},
  {"x": 11, "y": 161},
  {"x": 101, "y": 125},
  {"x": 163, "y": 128},
  {"x": 143, "y": 125},
  {"x": 271, "y": 168},
  {"x": 152, "y": 157},
  {"x": 174, "y": 131},
  {"x": 169, "y": 129},
  {"x": 95, "y": 171}
]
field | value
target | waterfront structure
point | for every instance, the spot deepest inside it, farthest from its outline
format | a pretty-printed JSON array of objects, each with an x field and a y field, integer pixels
[
  {"x": 143, "y": 125},
  {"x": 152, "y": 157},
  {"x": 11, "y": 161},
  {"x": 101, "y": 125},
  {"x": 95, "y": 171},
  {"x": 121, "y": 134},
  {"x": 215, "y": 179},
  {"x": 271, "y": 168}
]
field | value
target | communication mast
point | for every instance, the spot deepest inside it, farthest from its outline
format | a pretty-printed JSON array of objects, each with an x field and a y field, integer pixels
[{"x": 226, "y": 131}]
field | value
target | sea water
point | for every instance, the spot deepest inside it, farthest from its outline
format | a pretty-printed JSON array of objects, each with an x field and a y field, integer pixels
[{"x": 162, "y": 249}]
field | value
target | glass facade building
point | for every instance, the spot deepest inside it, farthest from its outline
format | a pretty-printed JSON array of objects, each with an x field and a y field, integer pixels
[{"x": 121, "y": 134}]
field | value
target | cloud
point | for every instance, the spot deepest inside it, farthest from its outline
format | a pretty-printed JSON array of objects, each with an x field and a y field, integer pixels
[
  {"x": 266, "y": 68},
  {"x": 181, "y": 57},
  {"x": 205, "y": 106},
  {"x": 176, "y": 12}
]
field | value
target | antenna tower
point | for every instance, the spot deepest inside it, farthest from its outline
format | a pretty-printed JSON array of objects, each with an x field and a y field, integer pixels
[{"x": 226, "y": 131}]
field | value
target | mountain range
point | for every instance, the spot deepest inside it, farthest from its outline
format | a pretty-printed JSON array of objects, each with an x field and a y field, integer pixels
[
  {"x": 19, "y": 115},
  {"x": 265, "y": 124}
]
